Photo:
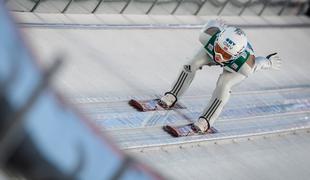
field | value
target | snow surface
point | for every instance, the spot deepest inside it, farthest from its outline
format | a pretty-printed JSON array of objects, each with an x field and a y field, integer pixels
[{"x": 263, "y": 131}]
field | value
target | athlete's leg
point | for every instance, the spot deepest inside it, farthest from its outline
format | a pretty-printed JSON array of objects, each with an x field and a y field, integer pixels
[
  {"x": 218, "y": 100},
  {"x": 188, "y": 73},
  {"x": 185, "y": 77}
]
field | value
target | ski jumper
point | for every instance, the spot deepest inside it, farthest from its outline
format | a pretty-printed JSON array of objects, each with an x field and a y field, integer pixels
[{"x": 234, "y": 72}]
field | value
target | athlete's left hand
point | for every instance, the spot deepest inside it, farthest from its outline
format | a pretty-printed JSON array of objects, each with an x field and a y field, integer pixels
[{"x": 275, "y": 61}]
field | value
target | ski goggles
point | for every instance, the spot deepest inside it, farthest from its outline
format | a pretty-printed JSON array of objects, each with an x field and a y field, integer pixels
[{"x": 221, "y": 53}]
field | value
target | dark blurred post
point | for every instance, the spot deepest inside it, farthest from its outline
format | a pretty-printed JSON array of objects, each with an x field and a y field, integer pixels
[
  {"x": 41, "y": 136},
  {"x": 308, "y": 10}
]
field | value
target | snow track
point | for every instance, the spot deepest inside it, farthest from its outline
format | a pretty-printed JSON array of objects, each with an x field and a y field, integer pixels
[{"x": 273, "y": 111}]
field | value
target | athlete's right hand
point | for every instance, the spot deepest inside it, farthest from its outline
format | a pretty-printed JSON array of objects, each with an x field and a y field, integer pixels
[
  {"x": 221, "y": 23},
  {"x": 275, "y": 61}
]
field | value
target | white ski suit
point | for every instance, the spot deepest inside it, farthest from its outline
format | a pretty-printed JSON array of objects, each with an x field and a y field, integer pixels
[{"x": 234, "y": 71}]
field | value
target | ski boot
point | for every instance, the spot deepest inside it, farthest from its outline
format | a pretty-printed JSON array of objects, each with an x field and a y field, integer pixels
[
  {"x": 168, "y": 100},
  {"x": 201, "y": 125}
]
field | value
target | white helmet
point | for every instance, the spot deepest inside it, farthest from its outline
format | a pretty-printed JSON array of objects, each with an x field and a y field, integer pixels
[{"x": 232, "y": 41}]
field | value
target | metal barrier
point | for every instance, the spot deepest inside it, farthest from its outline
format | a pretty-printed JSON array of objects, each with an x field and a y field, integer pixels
[{"x": 93, "y": 6}]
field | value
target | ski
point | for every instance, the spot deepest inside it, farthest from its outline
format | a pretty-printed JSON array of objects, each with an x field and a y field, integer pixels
[
  {"x": 152, "y": 105},
  {"x": 186, "y": 130}
]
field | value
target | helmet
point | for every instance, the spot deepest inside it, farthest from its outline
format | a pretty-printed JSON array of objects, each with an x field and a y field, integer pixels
[{"x": 230, "y": 43}]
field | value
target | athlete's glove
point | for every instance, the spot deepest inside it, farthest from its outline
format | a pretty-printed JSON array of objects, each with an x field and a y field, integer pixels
[{"x": 275, "y": 61}]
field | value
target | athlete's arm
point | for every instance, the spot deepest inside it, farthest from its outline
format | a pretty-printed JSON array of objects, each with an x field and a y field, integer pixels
[
  {"x": 247, "y": 68},
  {"x": 209, "y": 29}
]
